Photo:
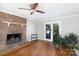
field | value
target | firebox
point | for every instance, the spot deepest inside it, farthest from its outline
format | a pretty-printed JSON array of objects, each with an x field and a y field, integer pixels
[{"x": 13, "y": 38}]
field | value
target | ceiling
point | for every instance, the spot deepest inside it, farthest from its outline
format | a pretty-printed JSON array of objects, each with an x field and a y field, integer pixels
[{"x": 52, "y": 10}]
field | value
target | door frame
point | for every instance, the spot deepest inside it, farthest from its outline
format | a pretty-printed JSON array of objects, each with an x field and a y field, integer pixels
[{"x": 60, "y": 29}]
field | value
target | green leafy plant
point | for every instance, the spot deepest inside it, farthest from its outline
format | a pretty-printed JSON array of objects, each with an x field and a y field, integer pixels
[
  {"x": 69, "y": 41},
  {"x": 74, "y": 47},
  {"x": 58, "y": 40}
]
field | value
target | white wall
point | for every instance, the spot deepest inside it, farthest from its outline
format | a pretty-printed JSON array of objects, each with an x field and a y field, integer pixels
[
  {"x": 40, "y": 30},
  {"x": 31, "y": 29},
  {"x": 35, "y": 28},
  {"x": 70, "y": 24}
]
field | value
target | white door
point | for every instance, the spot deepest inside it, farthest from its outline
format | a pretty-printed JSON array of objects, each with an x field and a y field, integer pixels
[{"x": 49, "y": 30}]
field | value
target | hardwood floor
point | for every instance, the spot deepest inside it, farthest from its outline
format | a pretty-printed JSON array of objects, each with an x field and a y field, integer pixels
[{"x": 40, "y": 48}]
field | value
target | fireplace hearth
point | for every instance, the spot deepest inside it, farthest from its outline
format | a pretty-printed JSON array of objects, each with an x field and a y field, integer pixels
[{"x": 13, "y": 38}]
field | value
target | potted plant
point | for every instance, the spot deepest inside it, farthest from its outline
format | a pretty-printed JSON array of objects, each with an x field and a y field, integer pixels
[
  {"x": 58, "y": 41},
  {"x": 71, "y": 41}
]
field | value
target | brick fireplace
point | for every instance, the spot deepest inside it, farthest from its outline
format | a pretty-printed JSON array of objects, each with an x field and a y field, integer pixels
[
  {"x": 12, "y": 31},
  {"x": 13, "y": 38}
]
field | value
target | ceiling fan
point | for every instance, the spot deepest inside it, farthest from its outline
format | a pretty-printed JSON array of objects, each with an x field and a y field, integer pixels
[{"x": 33, "y": 8}]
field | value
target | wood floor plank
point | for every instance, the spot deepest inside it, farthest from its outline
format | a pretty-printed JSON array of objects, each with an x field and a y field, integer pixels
[{"x": 40, "y": 48}]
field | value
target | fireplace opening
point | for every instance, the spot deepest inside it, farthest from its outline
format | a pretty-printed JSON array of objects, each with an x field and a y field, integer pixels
[{"x": 13, "y": 38}]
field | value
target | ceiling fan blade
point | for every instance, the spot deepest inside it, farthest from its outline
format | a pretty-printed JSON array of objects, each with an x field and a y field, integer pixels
[
  {"x": 40, "y": 11},
  {"x": 24, "y": 8}
]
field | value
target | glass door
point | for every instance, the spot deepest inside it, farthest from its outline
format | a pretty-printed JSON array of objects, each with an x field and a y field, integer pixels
[
  {"x": 52, "y": 30},
  {"x": 48, "y": 31},
  {"x": 55, "y": 31}
]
